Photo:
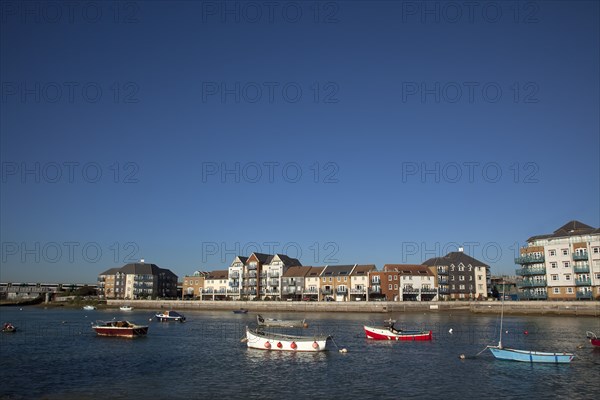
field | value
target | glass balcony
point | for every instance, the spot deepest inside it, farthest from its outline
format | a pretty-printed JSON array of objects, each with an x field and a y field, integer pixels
[
  {"x": 375, "y": 290},
  {"x": 532, "y": 283},
  {"x": 580, "y": 256},
  {"x": 583, "y": 282},
  {"x": 528, "y": 295},
  {"x": 529, "y": 259},
  {"x": 530, "y": 271},
  {"x": 357, "y": 291},
  {"x": 442, "y": 279},
  {"x": 428, "y": 290},
  {"x": 442, "y": 271},
  {"x": 581, "y": 294},
  {"x": 444, "y": 290},
  {"x": 410, "y": 290},
  {"x": 582, "y": 269}
]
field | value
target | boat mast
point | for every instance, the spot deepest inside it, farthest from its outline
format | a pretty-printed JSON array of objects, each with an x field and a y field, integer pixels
[{"x": 501, "y": 316}]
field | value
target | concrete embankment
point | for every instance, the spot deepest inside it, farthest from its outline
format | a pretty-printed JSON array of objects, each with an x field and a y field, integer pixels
[{"x": 579, "y": 308}]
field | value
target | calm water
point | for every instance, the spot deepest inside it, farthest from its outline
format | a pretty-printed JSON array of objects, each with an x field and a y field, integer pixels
[{"x": 57, "y": 355}]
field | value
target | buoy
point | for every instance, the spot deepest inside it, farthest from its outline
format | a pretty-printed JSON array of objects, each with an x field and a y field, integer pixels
[
  {"x": 267, "y": 345},
  {"x": 526, "y": 332},
  {"x": 305, "y": 325},
  {"x": 343, "y": 350},
  {"x": 294, "y": 345},
  {"x": 450, "y": 331},
  {"x": 315, "y": 345},
  {"x": 279, "y": 345},
  {"x": 462, "y": 357}
]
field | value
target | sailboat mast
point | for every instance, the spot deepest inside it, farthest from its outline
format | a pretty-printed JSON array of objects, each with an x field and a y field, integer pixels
[{"x": 501, "y": 316}]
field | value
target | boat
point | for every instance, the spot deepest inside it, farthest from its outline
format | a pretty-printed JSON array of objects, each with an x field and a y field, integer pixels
[
  {"x": 259, "y": 339},
  {"x": 89, "y": 308},
  {"x": 281, "y": 323},
  {"x": 594, "y": 340},
  {"x": 125, "y": 308},
  {"x": 119, "y": 328},
  {"x": 391, "y": 333},
  {"x": 240, "y": 311},
  {"x": 9, "y": 328},
  {"x": 170, "y": 316},
  {"x": 508, "y": 354}
]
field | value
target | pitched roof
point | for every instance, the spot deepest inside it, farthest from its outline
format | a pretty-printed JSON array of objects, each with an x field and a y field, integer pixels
[
  {"x": 289, "y": 261},
  {"x": 110, "y": 271},
  {"x": 315, "y": 272},
  {"x": 364, "y": 269},
  {"x": 296, "y": 272},
  {"x": 337, "y": 270},
  {"x": 220, "y": 274},
  {"x": 571, "y": 228},
  {"x": 408, "y": 269},
  {"x": 454, "y": 257},
  {"x": 263, "y": 258}
]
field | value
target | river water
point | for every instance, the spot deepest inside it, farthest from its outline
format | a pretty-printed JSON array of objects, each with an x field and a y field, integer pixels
[{"x": 56, "y": 355}]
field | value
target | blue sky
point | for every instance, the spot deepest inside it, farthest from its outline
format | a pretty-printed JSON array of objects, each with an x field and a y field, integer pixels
[{"x": 339, "y": 132}]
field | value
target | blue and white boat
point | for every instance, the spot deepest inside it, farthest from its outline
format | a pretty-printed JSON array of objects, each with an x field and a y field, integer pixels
[{"x": 504, "y": 353}]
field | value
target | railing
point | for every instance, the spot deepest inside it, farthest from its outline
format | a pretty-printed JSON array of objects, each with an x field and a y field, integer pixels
[
  {"x": 583, "y": 282},
  {"x": 444, "y": 290},
  {"x": 357, "y": 291},
  {"x": 532, "y": 283},
  {"x": 410, "y": 290},
  {"x": 234, "y": 275},
  {"x": 533, "y": 296},
  {"x": 580, "y": 256},
  {"x": 529, "y": 259},
  {"x": 311, "y": 291},
  {"x": 442, "y": 271},
  {"x": 326, "y": 291},
  {"x": 376, "y": 281},
  {"x": 582, "y": 269},
  {"x": 428, "y": 290},
  {"x": 233, "y": 290},
  {"x": 585, "y": 294},
  {"x": 442, "y": 279},
  {"x": 274, "y": 282},
  {"x": 341, "y": 291},
  {"x": 375, "y": 290},
  {"x": 531, "y": 271},
  {"x": 273, "y": 275}
]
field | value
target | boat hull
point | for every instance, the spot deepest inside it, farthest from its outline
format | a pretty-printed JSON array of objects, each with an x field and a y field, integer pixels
[
  {"x": 376, "y": 333},
  {"x": 531, "y": 356},
  {"x": 170, "y": 316},
  {"x": 279, "y": 342},
  {"x": 113, "y": 328},
  {"x": 280, "y": 323},
  {"x": 595, "y": 342}
]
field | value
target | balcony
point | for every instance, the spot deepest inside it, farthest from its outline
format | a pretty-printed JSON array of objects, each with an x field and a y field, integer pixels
[
  {"x": 580, "y": 256},
  {"x": 443, "y": 279},
  {"x": 529, "y": 259},
  {"x": 428, "y": 290},
  {"x": 311, "y": 291},
  {"x": 410, "y": 290},
  {"x": 273, "y": 275},
  {"x": 442, "y": 271},
  {"x": 585, "y": 294},
  {"x": 274, "y": 282},
  {"x": 341, "y": 291},
  {"x": 376, "y": 281},
  {"x": 444, "y": 290},
  {"x": 532, "y": 283},
  {"x": 375, "y": 290},
  {"x": 531, "y": 271},
  {"x": 528, "y": 295},
  {"x": 582, "y": 269},
  {"x": 233, "y": 290},
  {"x": 583, "y": 282},
  {"x": 357, "y": 291},
  {"x": 326, "y": 291}
]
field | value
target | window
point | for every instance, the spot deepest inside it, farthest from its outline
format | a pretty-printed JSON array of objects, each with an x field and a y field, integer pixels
[
  {"x": 339, "y": 279},
  {"x": 570, "y": 290},
  {"x": 452, "y": 278},
  {"x": 396, "y": 287},
  {"x": 462, "y": 287},
  {"x": 567, "y": 277},
  {"x": 330, "y": 279},
  {"x": 552, "y": 252},
  {"x": 395, "y": 277},
  {"x": 452, "y": 268},
  {"x": 470, "y": 278},
  {"x": 345, "y": 279},
  {"x": 565, "y": 252},
  {"x": 390, "y": 286},
  {"x": 480, "y": 286},
  {"x": 461, "y": 278},
  {"x": 556, "y": 290},
  {"x": 461, "y": 267},
  {"x": 554, "y": 277},
  {"x": 479, "y": 277},
  {"x": 553, "y": 264},
  {"x": 324, "y": 279},
  {"x": 390, "y": 278},
  {"x": 566, "y": 264},
  {"x": 470, "y": 268},
  {"x": 596, "y": 250}
]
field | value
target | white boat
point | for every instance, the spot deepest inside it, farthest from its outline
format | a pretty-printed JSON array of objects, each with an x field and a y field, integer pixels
[
  {"x": 257, "y": 339},
  {"x": 281, "y": 323},
  {"x": 125, "y": 308},
  {"x": 89, "y": 308},
  {"x": 119, "y": 328},
  {"x": 167, "y": 316}
]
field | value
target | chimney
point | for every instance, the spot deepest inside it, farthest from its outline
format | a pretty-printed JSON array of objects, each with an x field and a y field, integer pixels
[
  {"x": 142, "y": 260},
  {"x": 460, "y": 249}
]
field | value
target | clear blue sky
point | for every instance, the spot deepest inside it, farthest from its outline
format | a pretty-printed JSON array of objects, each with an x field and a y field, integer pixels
[{"x": 350, "y": 132}]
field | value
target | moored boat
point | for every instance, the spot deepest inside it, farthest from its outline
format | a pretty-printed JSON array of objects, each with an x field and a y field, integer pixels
[
  {"x": 503, "y": 353},
  {"x": 281, "y": 323},
  {"x": 9, "y": 328},
  {"x": 119, "y": 328},
  {"x": 391, "y": 333},
  {"x": 167, "y": 316},
  {"x": 257, "y": 339},
  {"x": 240, "y": 311},
  {"x": 125, "y": 308},
  {"x": 594, "y": 340},
  {"x": 89, "y": 308}
]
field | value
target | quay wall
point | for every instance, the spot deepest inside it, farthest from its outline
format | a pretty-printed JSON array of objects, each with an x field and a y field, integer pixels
[{"x": 579, "y": 308}]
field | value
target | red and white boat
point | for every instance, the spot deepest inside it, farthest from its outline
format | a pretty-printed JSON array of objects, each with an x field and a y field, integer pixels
[
  {"x": 391, "y": 333},
  {"x": 594, "y": 340},
  {"x": 120, "y": 328},
  {"x": 258, "y": 339}
]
